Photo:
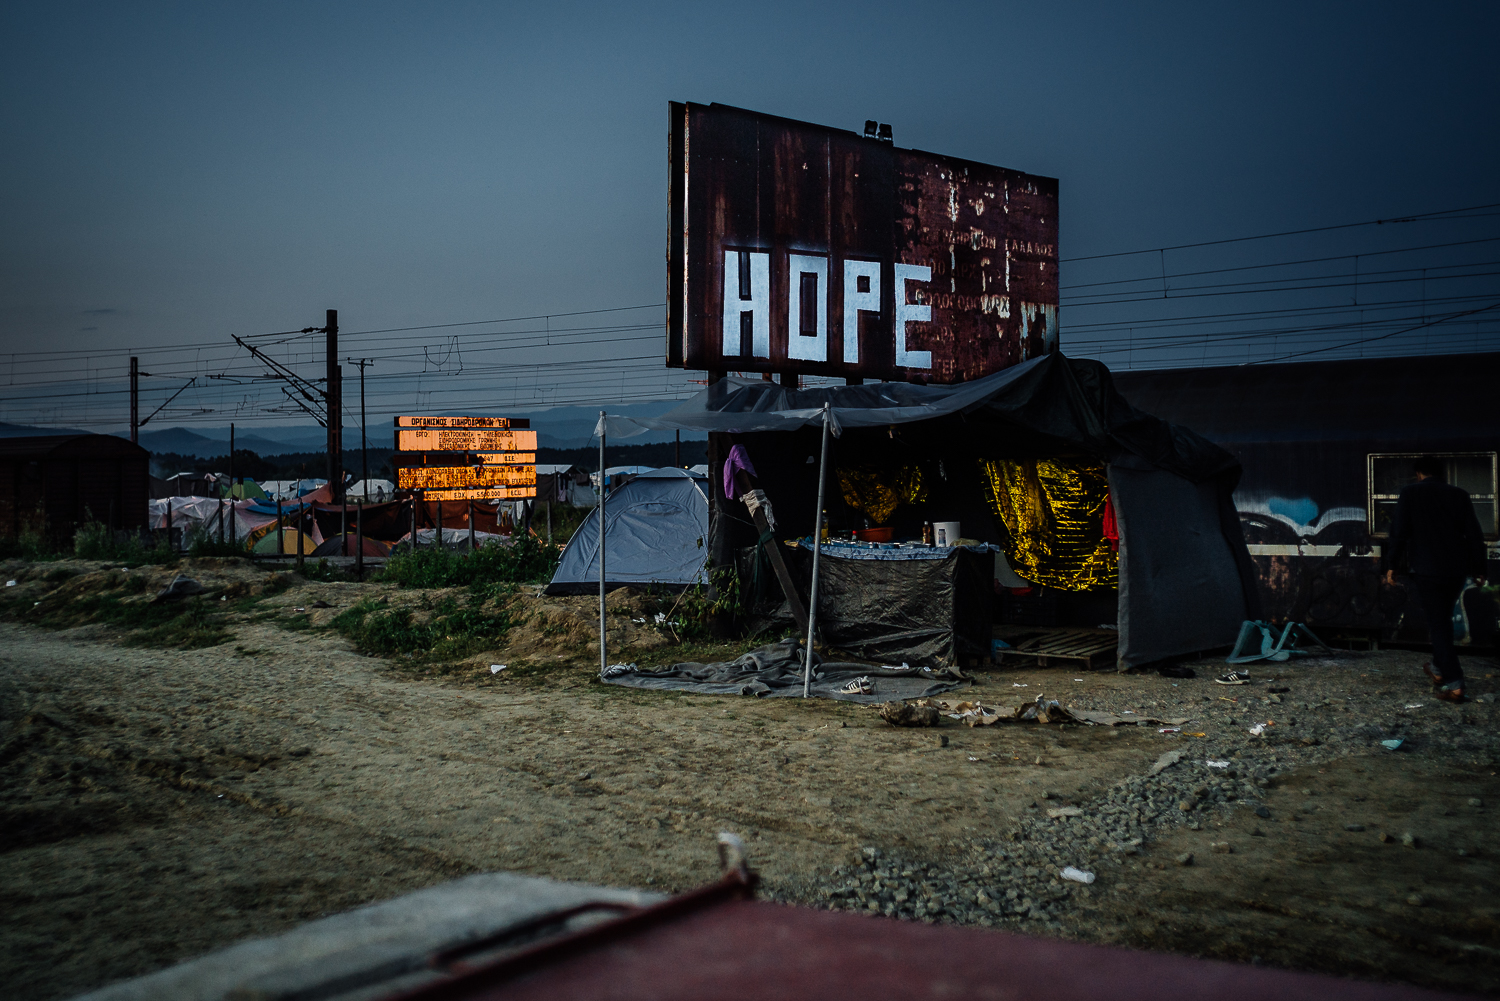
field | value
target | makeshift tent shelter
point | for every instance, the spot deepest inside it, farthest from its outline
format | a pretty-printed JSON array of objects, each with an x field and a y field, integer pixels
[
  {"x": 656, "y": 528},
  {"x": 1184, "y": 575},
  {"x": 290, "y": 539},
  {"x": 347, "y": 545}
]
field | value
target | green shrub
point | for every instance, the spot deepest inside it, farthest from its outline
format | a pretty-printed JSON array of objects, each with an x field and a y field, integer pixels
[
  {"x": 525, "y": 560},
  {"x": 452, "y": 630},
  {"x": 96, "y": 541}
]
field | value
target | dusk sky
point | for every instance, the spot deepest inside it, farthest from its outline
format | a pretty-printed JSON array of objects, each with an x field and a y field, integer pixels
[{"x": 174, "y": 174}]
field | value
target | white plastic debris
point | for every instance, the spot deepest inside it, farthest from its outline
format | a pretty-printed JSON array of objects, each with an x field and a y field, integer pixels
[
  {"x": 1416, "y": 705},
  {"x": 1258, "y": 729},
  {"x": 1077, "y": 875},
  {"x": 1017, "y": 684},
  {"x": 1217, "y": 764},
  {"x": 10, "y": 583},
  {"x": 497, "y": 668},
  {"x": 661, "y": 618}
]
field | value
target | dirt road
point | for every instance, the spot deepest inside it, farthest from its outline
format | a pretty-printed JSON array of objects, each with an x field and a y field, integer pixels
[{"x": 157, "y": 803}]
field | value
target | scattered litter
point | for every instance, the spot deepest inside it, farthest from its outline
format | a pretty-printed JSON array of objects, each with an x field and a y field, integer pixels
[
  {"x": 1416, "y": 705},
  {"x": 1221, "y": 848},
  {"x": 496, "y": 668},
  {"x": 661, "y": 618},
  {"x": 1260, "y": 728},
  {"x": 1017, "y": 684},
  {"x": 299, "y": 608},
  {"x": 973, "y": 759},
  {"x": 1234, "y": 678},
  {"x": 908, "y": 714},
  {"x": 1391, "y": 745},
  {"x": 181, "y": 587},
  {"x": 1077, "y": 875},
  {"x": 639, "y": 622},
  {"x": 615, "y": 670},
  {"x": 1409, "y": 839},
  {"x": 1197, "y": 735},
  {"x": 1127, "y": 712},
  {"x": 1217, "y": 764},
  {"x": 1065, "y": 811},
  {"x": 1170, "y": 729},
  {"x": 1075, "y": 679},
  {"x": 10, "y": 583},
  {"x": 1166, "y": 761}
]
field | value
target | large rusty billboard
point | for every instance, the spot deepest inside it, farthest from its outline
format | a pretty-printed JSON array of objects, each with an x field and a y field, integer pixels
[{"x": 803, "y": 249}]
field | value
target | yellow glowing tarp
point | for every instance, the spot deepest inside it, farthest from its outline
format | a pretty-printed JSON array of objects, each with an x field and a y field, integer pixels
[
  {"x": 878, "y": 494},
  {"x": 1053, "y": 512}
]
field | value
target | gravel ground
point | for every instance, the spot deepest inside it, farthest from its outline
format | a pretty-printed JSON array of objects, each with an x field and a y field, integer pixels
[{"x": 158, "y": 803}]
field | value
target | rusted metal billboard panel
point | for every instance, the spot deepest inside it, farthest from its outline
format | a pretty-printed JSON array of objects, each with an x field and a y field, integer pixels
[
  {"x": 798, "y": 248},
  {"x": 464, "y": 477},
  {"x": 444, "y": 439}
]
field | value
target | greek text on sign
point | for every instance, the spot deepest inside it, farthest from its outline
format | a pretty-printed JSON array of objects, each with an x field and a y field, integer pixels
[
  {"x": 482, "y": 494},
  {"x": 466, "y": 459},
  {"x": 464, "y": 477},
  {"x": 798, "y": 248},
  {"x": 462, "y": 422},
  {"x": 465, "y": 440}
]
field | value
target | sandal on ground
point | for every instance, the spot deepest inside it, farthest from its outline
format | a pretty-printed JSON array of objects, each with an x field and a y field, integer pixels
[{"x": 1451, "y": 692}]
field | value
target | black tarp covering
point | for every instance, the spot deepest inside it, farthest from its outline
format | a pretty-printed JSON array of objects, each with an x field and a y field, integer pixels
[
  {"x": 925, "y": 612},
  {"x": 1052, "y": 406}
]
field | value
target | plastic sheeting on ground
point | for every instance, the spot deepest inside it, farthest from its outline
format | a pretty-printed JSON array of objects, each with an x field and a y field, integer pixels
[{"x": 775, "y": 671}]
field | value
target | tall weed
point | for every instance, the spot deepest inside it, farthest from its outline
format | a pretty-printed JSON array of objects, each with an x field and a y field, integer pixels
[{"x": 525, "y": 560}]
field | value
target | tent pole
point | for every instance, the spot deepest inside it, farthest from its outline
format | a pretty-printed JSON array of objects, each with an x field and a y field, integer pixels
[
  {"x": 603, "y": 654},
  {"x": 817, "y": 535}
]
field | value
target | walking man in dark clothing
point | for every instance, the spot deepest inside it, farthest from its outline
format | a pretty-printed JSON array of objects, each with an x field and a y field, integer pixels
[{"x": 1436, "y": 537}]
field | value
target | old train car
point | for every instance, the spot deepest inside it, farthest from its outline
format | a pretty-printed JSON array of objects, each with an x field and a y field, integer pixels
[
  {"x": 1326, "y": 448},
  {"x": 52, "y": 483}
]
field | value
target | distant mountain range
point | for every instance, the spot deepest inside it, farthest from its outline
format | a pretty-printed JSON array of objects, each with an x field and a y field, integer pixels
[{"x": 559, "y": 427}]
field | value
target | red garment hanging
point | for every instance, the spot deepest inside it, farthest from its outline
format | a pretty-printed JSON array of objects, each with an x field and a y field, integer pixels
[{"x": 1111, "y": 526}]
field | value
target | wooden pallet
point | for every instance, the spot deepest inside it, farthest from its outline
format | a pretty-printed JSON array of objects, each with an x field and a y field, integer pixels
[{"x": 1085, "y": 649}]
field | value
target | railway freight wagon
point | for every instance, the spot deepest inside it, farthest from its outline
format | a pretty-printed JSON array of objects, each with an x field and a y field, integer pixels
[
  {"x": 50, "y": 483},
  {"x": 1326, "y": 448}
]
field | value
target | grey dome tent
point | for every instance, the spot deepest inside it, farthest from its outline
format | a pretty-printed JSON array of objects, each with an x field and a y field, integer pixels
[{"x": 657, "y": 531}]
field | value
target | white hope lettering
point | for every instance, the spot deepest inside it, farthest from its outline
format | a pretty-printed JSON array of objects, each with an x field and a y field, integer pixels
[
  {"x": 746, "y": 321},
  {"x": 747, "y": 303}
]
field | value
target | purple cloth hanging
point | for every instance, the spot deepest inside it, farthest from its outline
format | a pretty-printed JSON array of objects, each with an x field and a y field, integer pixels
[{"x": 738, "y": 459}]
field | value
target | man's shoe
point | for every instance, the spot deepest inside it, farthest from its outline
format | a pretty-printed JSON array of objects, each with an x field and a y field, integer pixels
[
  {"x": 1437, "y": 679},
  {"x": 1451, "y": 692}
]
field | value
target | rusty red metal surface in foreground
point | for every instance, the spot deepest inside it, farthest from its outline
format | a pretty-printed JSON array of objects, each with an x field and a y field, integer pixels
[{"x": 749, "y": 949}]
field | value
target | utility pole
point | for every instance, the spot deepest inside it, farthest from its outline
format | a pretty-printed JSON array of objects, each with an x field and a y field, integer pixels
[
  {"x": 135, "y": 400},
  {"x": 335, "y": 410},
  {"x": 364, "y": 455}
]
